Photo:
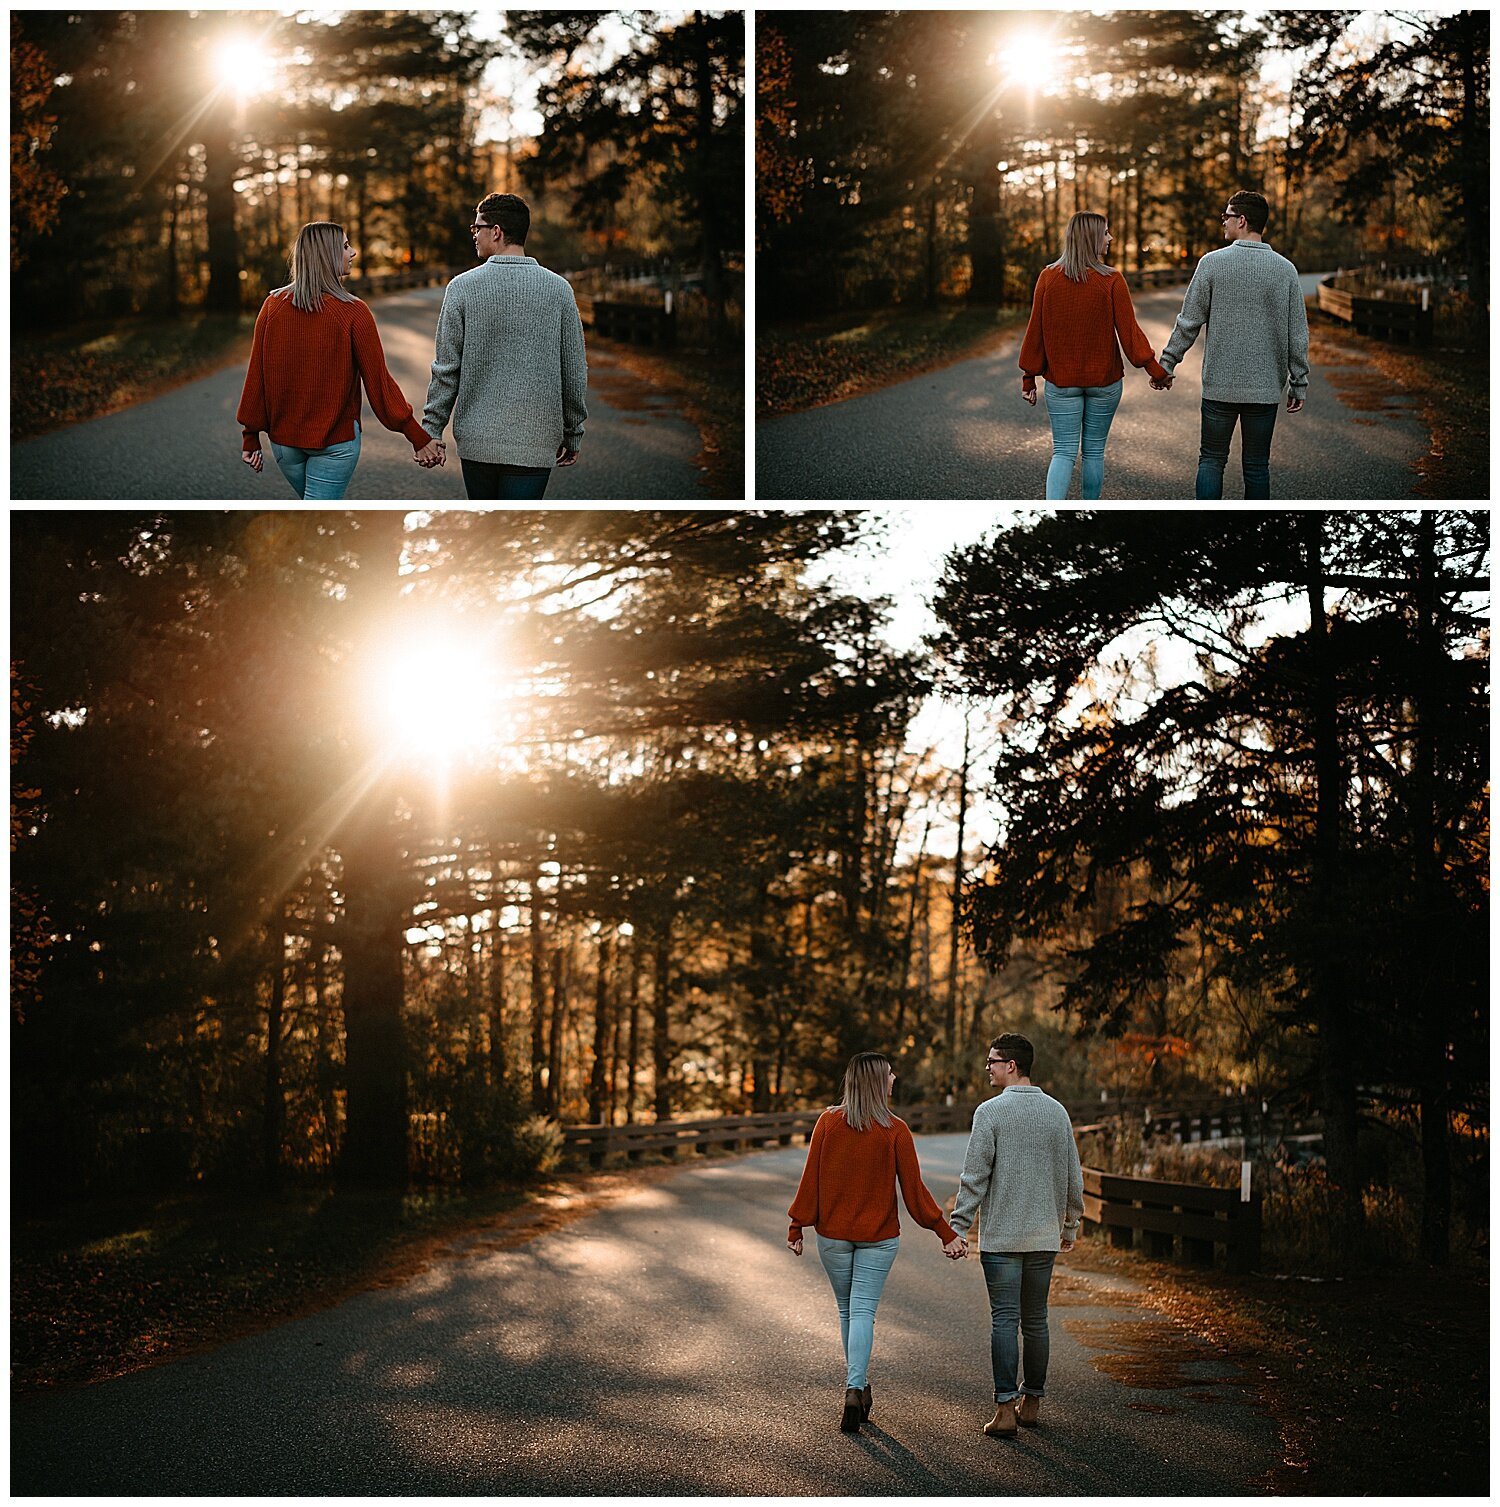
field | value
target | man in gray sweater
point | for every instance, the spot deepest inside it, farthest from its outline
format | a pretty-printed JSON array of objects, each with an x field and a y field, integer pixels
[
  {"x": 510, "y": 355},
  {"x": 1022, "y": 1177},
  {"x": 1256, "y": 346}
]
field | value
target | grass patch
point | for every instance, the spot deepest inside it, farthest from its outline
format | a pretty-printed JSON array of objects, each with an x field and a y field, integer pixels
[
  {"x": 90, "y": 370},
  {"x": 817, "y": 361},
  {"x": 103, "y": 1289},
  {"x": 1377, "y": 1382},
  {"x": 1452, "y": 384},
  {"x": 711, "y": 389}
]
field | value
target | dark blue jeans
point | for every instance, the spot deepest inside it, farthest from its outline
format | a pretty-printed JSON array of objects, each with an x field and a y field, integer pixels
[
  {"x": 1257, "y": 424},
  {"x": 485, "y": 482},
  {"x": 1018, "y": 1282}
]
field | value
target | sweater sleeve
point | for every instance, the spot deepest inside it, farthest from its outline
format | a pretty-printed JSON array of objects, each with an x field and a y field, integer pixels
[
  {"x": 974, "y": 1180},
  {"x": 920, "y": 1204},
  {"x": 575, "y": 374},
  {"x": 447, "y": 358},
  {"x": 1033, "y": 351},
  {"x": 804, "y": 1209},
  {"x": 386, "y": 398},
  {"x": 1297, "y": 343},
  {"x": 1195, "y": 309},
  {"x": 252, "y": 415},
  {"x": 1073, "y": 1217},
  {"x": 1133, "y": 340}
]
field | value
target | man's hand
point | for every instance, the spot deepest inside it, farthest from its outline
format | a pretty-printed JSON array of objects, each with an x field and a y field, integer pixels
[
  {"x": 1029, "y": 393},
  {"x": 566, "y": 457},
  {"x": 1068, "y": 1245},
  {"x": 1162, "y": 384},
  {"x": 956, "y": 1249},
  {"x": 794, "y": 1246},
  {"x": 1293, "y": 405},
  {"x": 433, "y": 453},
  {"x": 253, "y": 458}
]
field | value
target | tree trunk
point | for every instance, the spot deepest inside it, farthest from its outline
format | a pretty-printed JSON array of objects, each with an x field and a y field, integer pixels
[
  {"x": 1330, "y": 1003},
  {"x": 633, "y": 1049},
  {"x": 218, "y": 193},
  {"x": 661, "y": 1036},
  {"x": 556, "y": 1027},
  {"x": 984, "y": 225},
  {"x": 711, "y": 234},
  {"x": 1434, "y": 988},
  {"x": 275, "y": 1104},
  {"x": 376, "y": 1133},
  {"x": 932, "y": 256},
  {"x": 538, "y": 1002},
  {"x": 498, "y": 1051},
  {"x": 599, "y": 1076},
  {"x": 950, "y": 1038},
  {"x": 1474, "y": 157}
]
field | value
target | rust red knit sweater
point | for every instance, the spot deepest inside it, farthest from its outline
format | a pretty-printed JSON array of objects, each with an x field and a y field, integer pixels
[
  {"x": 1071, "y": 340},
  {"x": 848, "y": 1187},
  {"x": 302, "y": 387}
]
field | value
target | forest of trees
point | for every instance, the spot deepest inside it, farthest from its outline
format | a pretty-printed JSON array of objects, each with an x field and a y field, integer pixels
[
  {"x": 1244, "y": 771},
  {"x": 1219, "y": 811},
  {"x": 151, "y": 173},
  {"x": 907, "y": 156}
]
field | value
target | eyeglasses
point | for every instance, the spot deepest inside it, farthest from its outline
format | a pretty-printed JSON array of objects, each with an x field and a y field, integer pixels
[
  {"x": 479, "y": 225},
  {"x": 1227, "y": 216},
  {"x": 996, "y": 1061}
]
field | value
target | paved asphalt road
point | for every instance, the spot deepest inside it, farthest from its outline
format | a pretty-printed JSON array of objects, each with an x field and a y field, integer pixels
[
  {"x": 964, "y": 431},
  {"x": 666, "y": 1344},
  {"x": 186, "y": 444}
]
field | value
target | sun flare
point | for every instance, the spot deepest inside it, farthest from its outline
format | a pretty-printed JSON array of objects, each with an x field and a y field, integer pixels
[
  {"x": 1030, "y": 58},
  {"x": 436, "y": 695},
  {"x": 242, "y": 67}
]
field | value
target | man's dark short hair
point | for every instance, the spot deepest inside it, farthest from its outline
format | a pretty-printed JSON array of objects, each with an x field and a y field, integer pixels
[
  {"x": 1015, "y": 1049},
  {"x": 510, "y": 212},
  {"x": 1253, "y": 206}
]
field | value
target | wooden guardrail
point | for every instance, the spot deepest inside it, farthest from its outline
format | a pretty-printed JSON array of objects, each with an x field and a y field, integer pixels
[
  {"x": 1385, "y": 317},
  {"x": 411, "y": 277},
  {"x": 634, "y": 323},
  {"x": 1201, "y": 1218}
]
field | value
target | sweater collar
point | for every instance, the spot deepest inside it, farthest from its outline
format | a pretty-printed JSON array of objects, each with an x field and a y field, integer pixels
[
  {"x": 1020, "y": 1088},
  {"x": 525, "y": 261}
]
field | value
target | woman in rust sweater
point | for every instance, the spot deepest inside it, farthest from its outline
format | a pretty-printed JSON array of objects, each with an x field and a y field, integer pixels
[
  {"x": 1081, "y": 315},
  {"x": 858, "y": 1153},
  {"x": 314, "y": 344}
]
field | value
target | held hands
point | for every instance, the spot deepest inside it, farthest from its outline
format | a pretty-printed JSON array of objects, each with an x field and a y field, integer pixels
[
  {"x": 957, "y": 1248},
  {"x": 433, "y": 453},
  {"x": 1162, "y": 384},
  {"x": 254, "y": 459}
]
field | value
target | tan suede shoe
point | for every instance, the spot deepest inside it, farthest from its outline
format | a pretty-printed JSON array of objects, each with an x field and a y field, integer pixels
[
  {"x": 1003, "y": 1424},
  {"x": 1026, "y": 1413}
]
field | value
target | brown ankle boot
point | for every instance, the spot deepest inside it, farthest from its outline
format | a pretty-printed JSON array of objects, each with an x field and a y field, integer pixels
[
  {"x": 866, "y": 1403},
  {"x": 1003, "y": 1424},
  {"x": 1026, "y": 1414},
  {"x": 853, "y": 1403}
]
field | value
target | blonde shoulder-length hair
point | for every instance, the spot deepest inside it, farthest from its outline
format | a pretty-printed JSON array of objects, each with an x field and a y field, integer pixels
[
  {"x": 1083, "y": 247},
  {"x": 316, "y": 263},
  {"x": 867, "y": 1091}
]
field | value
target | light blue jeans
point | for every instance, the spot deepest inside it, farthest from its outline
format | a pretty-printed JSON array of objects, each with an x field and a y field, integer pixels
[
  {"x": 1080, "y": 415},
  {"x": 319, "y": 473},
  {"x": 857, "y": 1271}
]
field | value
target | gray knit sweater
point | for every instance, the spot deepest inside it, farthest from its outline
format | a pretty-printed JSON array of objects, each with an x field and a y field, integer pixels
[
  {"x": 1021, "y": 1174},
  {"x": 510, "y": 355},
  {"x": 1249, "y": 297}
]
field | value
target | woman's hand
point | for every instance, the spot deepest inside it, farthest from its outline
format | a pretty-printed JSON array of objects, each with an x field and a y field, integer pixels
[
  {"x": 253, "y": 458},
  {"x": 795, "y": 1247},
  {"x": 1029, "y": 393}
]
